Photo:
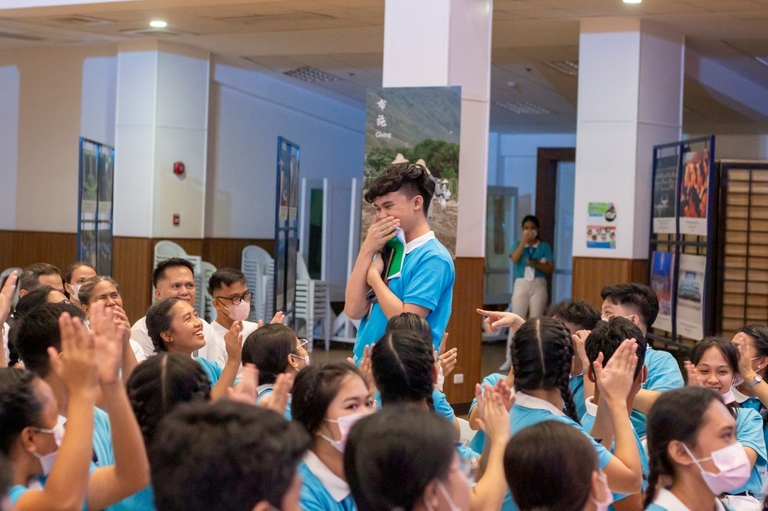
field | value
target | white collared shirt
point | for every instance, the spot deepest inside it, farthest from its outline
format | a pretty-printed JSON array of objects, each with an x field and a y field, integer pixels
[
  {"x": 528, "y": 401},
  {"x": 668, "y": 501},
  {"x": 417, "y": 242},
  {"x": 738, "y": 395},
  {"x": 336, "y": 486},
  {"x": 591, "y": 406}
]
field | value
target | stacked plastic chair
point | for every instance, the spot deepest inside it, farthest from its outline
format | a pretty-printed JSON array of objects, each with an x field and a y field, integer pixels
[{"x": 313, "y": 303}]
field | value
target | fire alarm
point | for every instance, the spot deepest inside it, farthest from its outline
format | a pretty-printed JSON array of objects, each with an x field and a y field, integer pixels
[{"x": 178, "y": 168}]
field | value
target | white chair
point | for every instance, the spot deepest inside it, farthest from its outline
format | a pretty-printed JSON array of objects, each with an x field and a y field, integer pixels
[
  {"x": 167, "y": 249},
  {"x": 210, "y": 310},
  {"x": 6, "y": 273},
  {"x": 467, "y": 433},
  {"x": 313, "y": 303},
  {"x": 257, "y": 265}
]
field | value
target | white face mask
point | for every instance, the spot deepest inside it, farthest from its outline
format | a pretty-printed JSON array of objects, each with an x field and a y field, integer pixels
[
  {"x": 75, "y": 291},
  {"x": 305, "y": 359},
  {"x": 733, "y": 463},
  {"x": 240, "y": 311},
  {"x": 46, "y": 461},
  {"x": 447, "y": 497},
  {"x": 345, "y": 424},
  {"x": 604, "y": 505}
]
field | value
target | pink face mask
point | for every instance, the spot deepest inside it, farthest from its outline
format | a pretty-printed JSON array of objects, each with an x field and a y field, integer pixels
[
  {"x": 733, "y": 464},
  {"x": 240, "y": 311}
]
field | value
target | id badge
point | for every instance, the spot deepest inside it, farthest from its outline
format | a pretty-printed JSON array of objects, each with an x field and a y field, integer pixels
[{"x": 530, "y": 273}]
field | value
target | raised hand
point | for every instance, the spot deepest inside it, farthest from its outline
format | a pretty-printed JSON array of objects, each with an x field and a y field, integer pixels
[
  {"x": 499, "y": 319},
  {"x": 745, "y": 361},
  {"x": 616, "y": 378},
  {"x": 505, "y": 393},
  {"x": 365, "y": 368},
  {"x": 233, "y": 341},
  {"x": 579, "y": 340},
  {"x": 494, "y": 417},
  {"x": 245, "y": 392},
  {"x": 694, "y": 379},
  {"x": 6, "y": 295},
  {"x": 76, "y": 365},
  {"x": 108, "y": 337},
  {"x": 277, "y": 401},
  {"x": 448, "y": 360},
  {"x": 278, "y": 318},
  {"x": 121, "y": 319},
  {"x": 379, "y": 233}
]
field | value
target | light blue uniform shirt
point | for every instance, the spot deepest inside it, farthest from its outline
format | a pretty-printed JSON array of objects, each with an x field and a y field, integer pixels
[
  {"x": 213, "y": 370},
  {"x": 666, "y": 501},
  {"x": 754, "y": 404},
  {"x": 143, "y": 500},
  {"x": 588, "y": 421},
  {"x": 265, "y": 390},
  {"x": 576, "y": 384},
  {"x": 663, "y": 374},
  {"x": 427, "y": 281},
  {"x": 537, "y": 252},
  {"x": 440, "y": 402},
  {"x": 749, "y": 431},
  {"x": 15, "y": 493},
  {"x": 528, "y": 411},
  {"x": 478, "y": 441},
  {"x": 322, "y": 489}
]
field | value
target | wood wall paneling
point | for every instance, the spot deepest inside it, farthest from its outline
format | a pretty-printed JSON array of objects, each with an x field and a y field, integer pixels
[
  {"x": 132, "y": 266},
  {"x": 22, "y": 248},
  {"x": 591, "y": 274},
  {"x": 227, "y": 252},
  {"x": 465, "y": 328}
]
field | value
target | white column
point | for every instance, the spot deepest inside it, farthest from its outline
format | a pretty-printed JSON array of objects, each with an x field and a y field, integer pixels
[
  {"x": 433, "y": 43},
  {"x": 162, "y": 118},
  {"x": 630, "y": 99}
]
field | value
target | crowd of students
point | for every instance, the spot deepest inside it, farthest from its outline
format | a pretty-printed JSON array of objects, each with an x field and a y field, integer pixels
[{"x": 174, "y": 413}]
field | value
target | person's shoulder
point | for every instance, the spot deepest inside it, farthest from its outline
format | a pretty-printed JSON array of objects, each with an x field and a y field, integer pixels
[
  {"x": 140, "y": 325},
  {"x": 494, "y": 378},
  {"x": 209, "y": 365}
]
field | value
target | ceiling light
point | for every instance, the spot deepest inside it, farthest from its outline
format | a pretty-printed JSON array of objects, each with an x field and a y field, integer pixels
[
  {"x": 567, "y": 67},
  {"x": 632, "y": 1},
  {"x": 523, "y": 107},
  {"x": 158, "y": 24},
  {"x": 310, "y": 74}
]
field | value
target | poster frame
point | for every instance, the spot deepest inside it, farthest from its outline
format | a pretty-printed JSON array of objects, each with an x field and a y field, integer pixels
[
  {"x": 102, "y": 223},
  {"x": 286, "y": 228}
]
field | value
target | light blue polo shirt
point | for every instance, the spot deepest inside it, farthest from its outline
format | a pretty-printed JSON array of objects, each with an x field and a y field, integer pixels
[
  {"x": 213, "y": 370},
  {"x": 143, "y": 500},
  {"x": 528, "y": 411},
  {"x": 478, "y": 441},
  {"x": 588, "y": 421},
  {"x": 440, "y": 402},
  {"x": 265, "y": 390},
  {"x": 15, "y": 492},
  {"x": 663, "y": 375},
  {"x": 754, "y": 404},
  {"x": 541, "y": 250},
  {"x": 749, "y": 431},
  {"x": 576, "y": 384},
  {"x": 322, "y": 489},
  {"x": 427, "y": 281}
]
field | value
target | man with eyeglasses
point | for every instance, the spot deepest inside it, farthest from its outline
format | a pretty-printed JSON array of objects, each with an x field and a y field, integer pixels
[{"x": 232, "y": 301}]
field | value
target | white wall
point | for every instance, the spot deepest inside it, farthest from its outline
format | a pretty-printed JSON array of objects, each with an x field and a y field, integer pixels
[
  {"x": 248, "y": 112},
  {"x": 97, "y": 112},
  {"x": 9, "y": 144}
]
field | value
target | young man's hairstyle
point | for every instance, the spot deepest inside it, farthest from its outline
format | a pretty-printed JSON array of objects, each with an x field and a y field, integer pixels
[
  {"x": 225, "y": 277},
  {"x": 226, "y": 456},
  {"x": 549, "y": 466},
  {"x": 580, "y": 314},
  {"x": 392, "y": 455},
  {"x": 30, "y": 276},
  {"x": 39, "y": 330},
  {"x": 530, "y": 218},
  {"x": 268, "y": 348},
  {"x": 637, "y": 296},
  {"x": 173, "y": 262},
  {"x": 608, "y": 336},
  {"x": 411, "y": 179}
]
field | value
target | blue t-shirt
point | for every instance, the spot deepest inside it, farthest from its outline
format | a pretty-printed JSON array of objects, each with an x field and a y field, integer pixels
[
  {"x": 588, "y": 421},
  {"x": 478, "y": 441},
  {"x": 427, "y": 281},
  {"x": 440, "y": 402},
  {"x": 266, "y": 390},
  {"x": 749, "y": 431},
  {"x": 143, "y": 500},
  {"x": 213, "y": 370},
  {"x": 663, "y": 374},
  {"x": 576, "y": 384},
  {"x": 316, "y": 497},
  {"x": 102, "y": 439},
  {"x": 542, "y": 250},
  {"x": 15, "y": 493}
]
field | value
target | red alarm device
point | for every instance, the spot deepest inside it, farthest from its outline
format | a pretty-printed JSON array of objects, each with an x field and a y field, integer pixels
[{"x": 178, "y": 168}]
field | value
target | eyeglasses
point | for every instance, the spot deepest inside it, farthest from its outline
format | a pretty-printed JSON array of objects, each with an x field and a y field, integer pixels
[
  {"x": 303, "y": 343},
  {"x": 237, "y": 299}
]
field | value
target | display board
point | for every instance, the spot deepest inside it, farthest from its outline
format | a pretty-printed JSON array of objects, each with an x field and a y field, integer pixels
[
  {"x": 683, "y": 240},
  {"x": 286, "y": 228},
  {"x": 96, "y": 191}
]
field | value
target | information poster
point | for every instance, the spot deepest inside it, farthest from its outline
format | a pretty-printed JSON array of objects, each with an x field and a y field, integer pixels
[
  {"x": 694, "y": 193},
  {"x": 690, "y": 296},
  {"x": 601, "y": 225},
  {"x": 662, "y": 283},
  {"x": 664, "y": 183}
]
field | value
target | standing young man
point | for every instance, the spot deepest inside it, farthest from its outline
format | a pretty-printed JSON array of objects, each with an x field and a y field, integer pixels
[{"x": 401, "y": 196}]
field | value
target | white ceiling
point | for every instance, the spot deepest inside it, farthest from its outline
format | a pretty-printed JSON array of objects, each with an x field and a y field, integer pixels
[{"x": 344, "y": 38}]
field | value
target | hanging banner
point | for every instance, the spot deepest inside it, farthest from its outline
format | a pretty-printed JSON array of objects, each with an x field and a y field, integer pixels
[
  {"x": 690, "y": 296},
  {"x": 694, "y": 193},
  {"x": 664, "y": 183},
  {"x": 408, "y": 124},
  {"x": 663, "y": 284},
  {"x": 601, "y": 227}
]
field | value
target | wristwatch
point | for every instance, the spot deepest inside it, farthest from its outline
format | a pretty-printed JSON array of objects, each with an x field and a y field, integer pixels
[{"x": 754, "y": 382}]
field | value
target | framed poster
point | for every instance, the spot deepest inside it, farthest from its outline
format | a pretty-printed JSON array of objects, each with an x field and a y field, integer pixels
[
  {"x": 664, "y": 186},
  {"x": 95, "y": 212},
  {"x": 286, "y": 227}
]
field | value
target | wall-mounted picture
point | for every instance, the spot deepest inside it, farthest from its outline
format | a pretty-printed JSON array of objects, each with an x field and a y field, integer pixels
[
  {"x": 662, "y": 283},
  {"x": 694, "y": 193},
  {"x": 664, "y": 184}
]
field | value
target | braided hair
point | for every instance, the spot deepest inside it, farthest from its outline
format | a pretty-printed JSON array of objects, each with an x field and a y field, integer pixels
[
  {"x": 403, "y": 363},
  {"x": 541, "y": 357},
  {"x": 162, "y": 382},
  {"x": 676, "y": 415}
]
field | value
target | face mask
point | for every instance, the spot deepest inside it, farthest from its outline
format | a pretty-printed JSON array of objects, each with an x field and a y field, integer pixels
[
  {"x": 75, "y": 291},
  {"x": 305, "y": 359},
  {"x": 345, "y": 423},
  {"x": 46, "y": 461},
  {"x": 728, "y": 397},
  {"x": 603, "y": 506},
  {"x": 733, "y": 464},
  {"x": 447, "y": 497},
  {"x": 240, "y": 311},
  {"x": 737, "y": 380}
]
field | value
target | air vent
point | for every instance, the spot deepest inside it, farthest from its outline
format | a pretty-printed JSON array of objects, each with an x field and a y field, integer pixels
[
  {"x": 272, "y": 18},
  {"x": 157, "y": 32},
  {"x": 567, "y": 67},
  {"x": 312, "y": 75},
  {"x": 82, "y": 21},
  {"x": 523, "y": 107},
  {"x": 20, "y": 37}
]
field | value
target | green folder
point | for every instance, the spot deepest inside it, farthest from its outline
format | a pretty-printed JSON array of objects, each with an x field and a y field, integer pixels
[{"x": 394, "y": 254}]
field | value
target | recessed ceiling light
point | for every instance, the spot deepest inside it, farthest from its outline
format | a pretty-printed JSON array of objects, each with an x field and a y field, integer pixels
[
  {"x": 158, "y": 24},
  {"x": 632, "y": 1}
]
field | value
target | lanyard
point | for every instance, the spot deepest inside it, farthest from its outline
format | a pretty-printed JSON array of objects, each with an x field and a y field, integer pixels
[{"x": 530, "y": 251}]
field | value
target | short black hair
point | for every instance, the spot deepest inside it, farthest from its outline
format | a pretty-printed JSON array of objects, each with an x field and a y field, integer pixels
[
  {"x": 30, "y": 276},
  {"x": 174, "y": 262},
  {"x": 71, "y": 270},
  {"x": 530, "y": 218},
  {"x": 727, "y": 349},
  {"x": 392, "y": 455},
  {"x": 225, "y": 277},
  {"x": 579, "y": 313},
  {"x": 39, "y": 330},
  {"x": 606, "y": 338},
  {"x": 226, "y": 456},
  {"x": 268, "y": 348},
  {"x": 413, "y": 179},
  {"x": 639, "y": 296},
  {"x": 158, "y": 320}
]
